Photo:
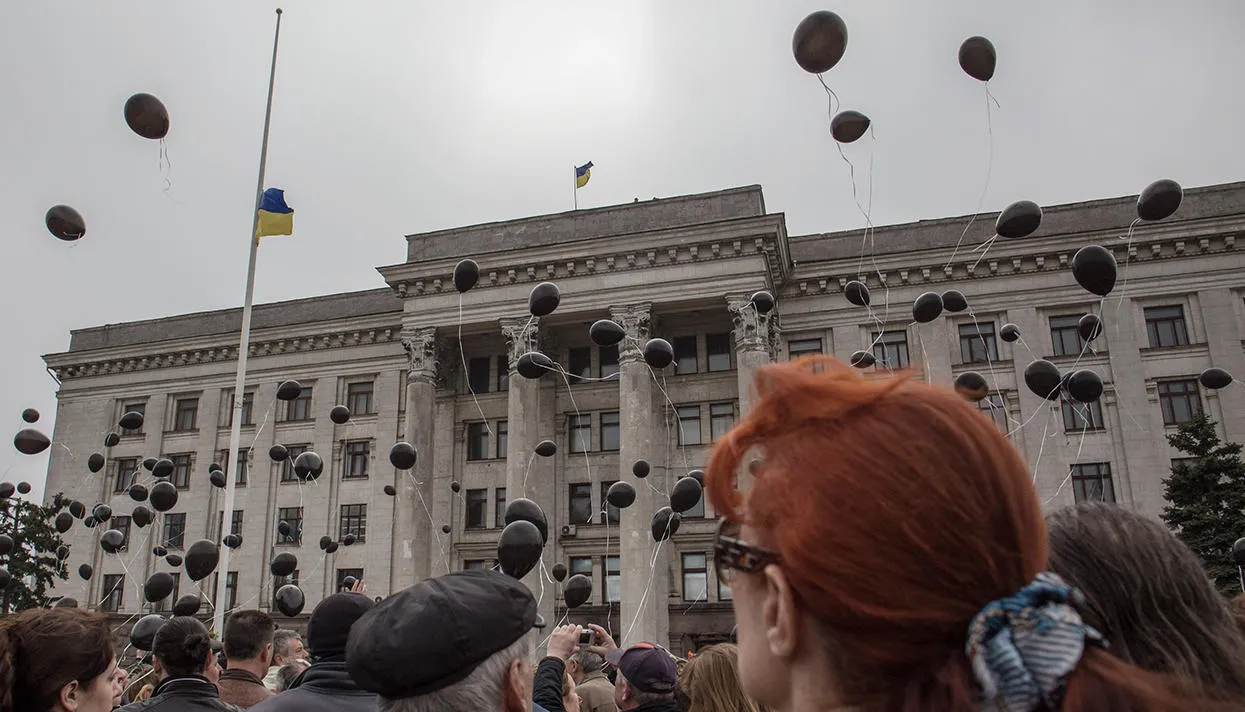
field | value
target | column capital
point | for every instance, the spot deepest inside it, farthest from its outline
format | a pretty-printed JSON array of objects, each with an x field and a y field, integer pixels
[
  {"x": 522, "y": 335},
  {"x": 636, "y": 321},
  {"x": 421, "y": 353},
  {"x": 752, "y": 329}
]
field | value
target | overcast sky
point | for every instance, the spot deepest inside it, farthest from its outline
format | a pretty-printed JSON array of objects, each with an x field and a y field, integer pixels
[{"x": 399, "y": 117}]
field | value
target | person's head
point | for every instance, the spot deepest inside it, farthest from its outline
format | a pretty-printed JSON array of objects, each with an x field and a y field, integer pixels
[
  {"x": 120, "y": 678},
  {"x": 1148, "y": 594},
  {"x": 248, "y": 638},
  {"x": 710, "y": 680},
  {"x": 184, "y": 649},
  {"x": 56, "y": 659},
  {"x": 463, "y": 639},
  {"x": 287, "y": 646},
  {"x": 570, "y": 698},
  {"x": 289, "y": 672},
  {"x": 646, "y": 674},
  {"x": 876, "y": 559},
  {"x": 584, "y": 663},
  {"x": 328, "y": 629}
]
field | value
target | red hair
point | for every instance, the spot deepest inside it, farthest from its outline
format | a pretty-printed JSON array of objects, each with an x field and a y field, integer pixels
[{"x": 900, "y": 510}]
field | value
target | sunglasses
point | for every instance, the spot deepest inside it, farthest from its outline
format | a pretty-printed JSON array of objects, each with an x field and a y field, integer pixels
[{"x": 731, "y": 554}]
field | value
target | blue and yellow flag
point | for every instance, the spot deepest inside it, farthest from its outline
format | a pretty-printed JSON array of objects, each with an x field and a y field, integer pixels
[
  {"x": 275, "y": 217},
  {"x": 582, "y": 174}
]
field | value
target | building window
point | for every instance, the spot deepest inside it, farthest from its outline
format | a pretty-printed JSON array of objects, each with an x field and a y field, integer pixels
[
  {"x": 300, "y": 407},
  {"x": 609, "y": 513},
  {"x": 718, "y": 351},
  {"x": 357, "y": 574},
  {"x": 474, "y": 564},
  {"x": 695, "y": 577},
  {"x": 243, "y": 465},
  {"x": 1180, "y": 401},
  {"x": 610, "y": 431},
  {"x": 287, "y": 465},
  {"x": 684, "y": 354},
  {"x": 613, "y": 579},
  {"x": 477, "y": 441},
  {"x": 721, "y": 419},
  {"x": 579, "y": 364},
  {"x": 114, "y": 593},
  {"x": 353, "y": 521},
  {"x": 1081, "y": 416},
  {"x": 977, "y": 342},
  {"x": 248, "y": 409},
  {"x": 1091, "y": 482},
  {"x": 499, "y": 507},
  {"x": 477, "y": 509},
  {"x": 891, "y": 349},
  {"x": 185, "y": 414},
  {"x": 123, "y": 475},
  {"x": 294, "y": 517},
  {"x": 581, "y": 503},
  {"x": 689, "y": 425},
  {"x": 994, "y": 409},
  {"x": 279, "y": 581},
  {"x": 231, "y": 590},
  {"x": 139, "y": 407},
  {"x": 358, "y": 453},
  {"x": 1065, "y": 336},
  {"x": 121, "y": 524},
  {"x": 608, "y": 359},
  {"x": 477, "y": 374},
  {"x": 503, "y": 438},
  {"x": 1165, "y": 326},
  {"x": 803, "y": 347},
  {"x": 174, "y": 531},
  {"x": 181, "y": 471},
  {"x": 580, "y": 432},
  {"x": 503, "y": 374},
  {"x": 359, "y": 398},
  {"x": 235, "y": 523}
]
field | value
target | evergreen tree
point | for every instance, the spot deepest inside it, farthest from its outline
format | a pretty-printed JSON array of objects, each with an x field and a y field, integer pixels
[
  {"x": 32, "y": 562},
  {"x": 1206, "y": 499}
]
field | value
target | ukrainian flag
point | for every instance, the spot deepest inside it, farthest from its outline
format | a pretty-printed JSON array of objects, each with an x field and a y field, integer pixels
[
  {"x": 275, "y": 217},
  {"x": 582, "y": 174}
]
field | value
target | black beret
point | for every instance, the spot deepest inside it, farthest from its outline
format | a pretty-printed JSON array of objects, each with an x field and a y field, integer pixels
[{"x": 436, "y": 632}]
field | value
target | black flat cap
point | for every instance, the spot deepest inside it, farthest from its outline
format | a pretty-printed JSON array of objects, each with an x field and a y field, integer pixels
[{"x": 436, "y": 632}]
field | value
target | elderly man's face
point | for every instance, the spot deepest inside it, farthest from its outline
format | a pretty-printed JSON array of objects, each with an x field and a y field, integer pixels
[{"x": 297, "y": 652}]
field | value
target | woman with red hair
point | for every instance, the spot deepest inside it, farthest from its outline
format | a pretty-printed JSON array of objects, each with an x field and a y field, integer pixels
[{"x": 890, "y": 555}]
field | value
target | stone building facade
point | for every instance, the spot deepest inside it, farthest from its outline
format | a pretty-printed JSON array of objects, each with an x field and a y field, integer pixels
[{"x": 417, "y": 361}]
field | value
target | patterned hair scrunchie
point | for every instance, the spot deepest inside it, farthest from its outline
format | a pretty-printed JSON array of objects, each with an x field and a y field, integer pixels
[{"x": 1023, "y": 647}]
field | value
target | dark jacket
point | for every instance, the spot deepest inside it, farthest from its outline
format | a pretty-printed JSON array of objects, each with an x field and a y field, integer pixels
[
  {"x": 242, "y": 688},
  {"x": 547, "y": 687},
  {"x": 182, "y": 694},
  {"x": 670, "y": 705},
  {"x": 323, "y": 687}
]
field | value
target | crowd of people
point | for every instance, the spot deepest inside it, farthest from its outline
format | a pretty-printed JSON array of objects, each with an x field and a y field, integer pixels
[{"x": 885, "y": 550}]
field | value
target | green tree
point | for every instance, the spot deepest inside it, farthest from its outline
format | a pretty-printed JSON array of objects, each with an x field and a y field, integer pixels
[
  {"x": 32, "y": 562},
  {"x": 1206, "y": 499}
]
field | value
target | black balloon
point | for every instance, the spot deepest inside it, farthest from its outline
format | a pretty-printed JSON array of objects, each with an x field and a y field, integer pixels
[
  {"x": 389, "y": 490},
  {"x": 29, "y": 441},
  {"x": 278, "y": 453},
  {"x": 163, "y": 496},
  {"x": 953, "y": 301},
  {"x": 6, "y": 544},
  {"x": 76, "y": 508},
  {"x": 927, "y": 307},
  {"x": 6, "y": 490},
  {"x": 466, "y": 274},
  {"x": 348, "y": 539},
  {"x": 665, "y": 523},
  {"x": 142, "y": 516},
  {"x": 1159, "y": 200},
  {"x": 217, "y": 478},
  {"x": 89, "y": 522},
  {"x": 85, "y": 572},
  {"x": 150, "y": 464},
  {"x": 65, "y": 223},
  {"x": 289, "y": 390},
  {"x": 95, "y": 462},
  {"x": 308, "y": 465},
  {"x": 577, "y": 591},
  {"x": 862, "y": 359},
  {"x": 233, "y": 541},
  {"x": 173, "y": 560},
  {"x": 201, "y": 559},
  {"x": 978, "y": 58},
  {"x": 1009, "y": 333},
  {"x": 30, "y": 415},
  {"x": 1238, "y": 552},
  {"x": 698, "y": 475},
  {"x": 146, "y": 116},
  {"x": 819, "y": 42},
  {"x": 1020, "y": 219},
  {"x": 64, "y": 521},
  {"x": 5, "y": 578},
  {"x": 62, "y": 552},
  {"x": 111, "y": 540},
  {"x": 857, "y": 293},
  {"x": 1215, "y": 378},
  {"x": 620, "y": 494},
  {"x": 111, "y": 439},
  {"x": 685, "y": 494},
  {"x": 159, "y": 586},
  {"x": 518, "y": 548},
  {"x": 163, "y": 468},
  {"x": 762, "y": 301},
  {"x": 283, "y": 564},
  {"x": 546, "y": 448},
  {"x": 543, "y": 299},
  {"x": 102, "y": 512},
  {"x": 848, "y": 126},
  {"x": 606, "y": 332},
  {"x": 658, "y": 353},
  {"x": 331, "y": 548},
  {"x": 972, "y": 385},
  {"x": 143, "y": 634},
  {"x": 160, "y": 551},
  {"x": 445, "y": 529},
  {"x": 1043, "y": 378},
  {"x": 1094, "y": 268},
  {"x": 290, "y": 600},
  {"x": 402, "y": 455},
  {"x": 23, "y": 488},
  {"x": 534, "y": 364},
  {"x": 525, "y": 510},
  {"x": 132, "y": 420},
  {"x": 1089, "y": 326},
  {"x": 348, "y": 582},
  {"x": 455, "y": 486},
  {"x": 340, "y": 414},
  {"x": 640, "y": 468},
  {"x": 1085, "y": 386},
  {"x": 187, "y": 605},
  {"x": 325, "y": 541},
  {"x": 559, "y": 572},
  {"x": 215, "y": 467}
]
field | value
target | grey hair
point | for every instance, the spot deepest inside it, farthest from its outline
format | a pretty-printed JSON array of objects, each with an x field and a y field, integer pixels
[
  {"x": 589, "y": 661},
  {"x": 281, "y": 641},
  {"x": 642, "y": 698},
  {"x": 483, "y": 689}
]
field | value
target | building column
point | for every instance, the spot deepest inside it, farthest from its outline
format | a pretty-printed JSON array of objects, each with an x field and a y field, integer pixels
[
  {"x": 754, "y": 341},
  {"x": 413, "y": 556},
  {"x": 642, "y": 617}
]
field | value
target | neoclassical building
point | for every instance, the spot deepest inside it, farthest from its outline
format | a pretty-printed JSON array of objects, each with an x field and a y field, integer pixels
[{"x": 417, "y": 361}]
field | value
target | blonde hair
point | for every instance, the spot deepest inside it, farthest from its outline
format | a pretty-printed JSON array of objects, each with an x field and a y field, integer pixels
[
  {"x": 711, "y": 680},
  {"x": 144, "y": 693}
]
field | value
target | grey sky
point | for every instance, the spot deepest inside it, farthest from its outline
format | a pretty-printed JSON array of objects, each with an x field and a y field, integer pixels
[{"x": 399, "y": 117}]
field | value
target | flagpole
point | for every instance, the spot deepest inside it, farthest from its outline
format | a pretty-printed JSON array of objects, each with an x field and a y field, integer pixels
[
  {"x": 575, "y": 185},
  {"x": 244, "y": 345}
]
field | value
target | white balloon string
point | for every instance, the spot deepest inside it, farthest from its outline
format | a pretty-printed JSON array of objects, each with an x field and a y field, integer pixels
[
  {"x": 462, "y": 355},
  {"x": 986, "y": 186}
]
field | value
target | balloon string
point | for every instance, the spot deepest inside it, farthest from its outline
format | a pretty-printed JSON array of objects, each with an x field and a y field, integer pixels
[
  {"x": 462, "y": 354},
  {"x": 1128, "y": 252},
  {"x": 984, "y": 188}
]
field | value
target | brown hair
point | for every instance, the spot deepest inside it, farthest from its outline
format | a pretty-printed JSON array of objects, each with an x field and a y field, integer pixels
[
  {"x": 1238, "y": 611},
  {"x": 931, "y": 516},
  {"x": 42, "y": 650},
  {"x": 711, "y": 681}
]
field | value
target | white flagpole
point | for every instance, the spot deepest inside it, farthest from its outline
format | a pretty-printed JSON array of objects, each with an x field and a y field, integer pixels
[
  {"x": 239, "y": 390},
  {"x": 575, "y": 184}
]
